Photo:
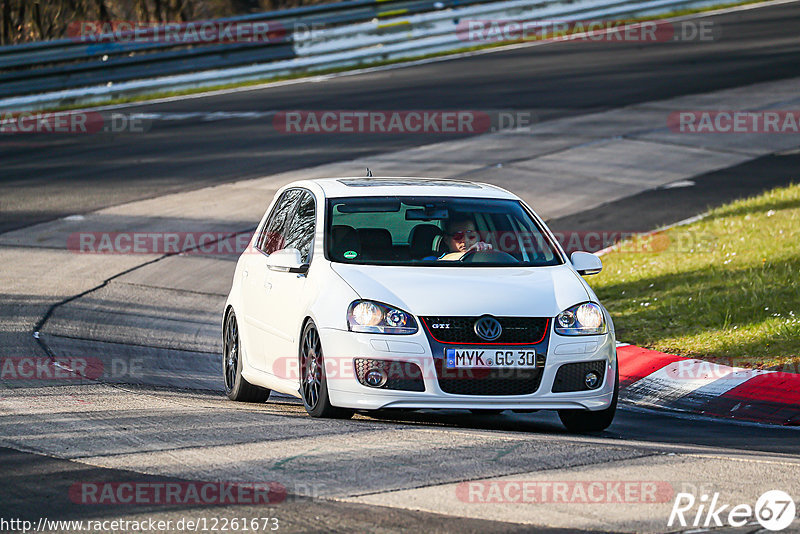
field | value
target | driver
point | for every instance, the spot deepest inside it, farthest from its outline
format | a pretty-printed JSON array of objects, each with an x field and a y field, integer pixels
[{"x": 462, "y": 237}]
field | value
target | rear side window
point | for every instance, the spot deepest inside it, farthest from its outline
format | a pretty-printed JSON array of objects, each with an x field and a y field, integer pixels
[{"x": 273, "y": 237}]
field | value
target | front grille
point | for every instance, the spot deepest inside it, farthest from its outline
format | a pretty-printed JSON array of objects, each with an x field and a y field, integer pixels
[
  {"x": 508, "y": 381},
  {"x": 516, "y": 330},
  {"x": 404, "y": 376},
  {"x": 570, "y": 376}
]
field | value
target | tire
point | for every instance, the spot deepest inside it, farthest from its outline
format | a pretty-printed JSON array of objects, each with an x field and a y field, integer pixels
[
  {"x": 236, "y": 387},
  {"x": 583, "y": 421},
  {"x": 313, "y": 382}
]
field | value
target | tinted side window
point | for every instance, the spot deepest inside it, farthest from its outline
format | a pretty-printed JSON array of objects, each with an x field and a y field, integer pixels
[
  {"x": 274, "y": 235},
  {"x": 301, "y": 230}
]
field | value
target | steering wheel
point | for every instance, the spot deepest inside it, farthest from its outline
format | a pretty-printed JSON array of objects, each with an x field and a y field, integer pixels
[{"x": 487, "y": 256}]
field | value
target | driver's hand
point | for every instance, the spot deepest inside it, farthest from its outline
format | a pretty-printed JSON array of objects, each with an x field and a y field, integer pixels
[{"x": 480, "y": 246}]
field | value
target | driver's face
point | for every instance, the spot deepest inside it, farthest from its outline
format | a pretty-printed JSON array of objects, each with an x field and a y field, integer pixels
[{"x": 461, "y": 236}]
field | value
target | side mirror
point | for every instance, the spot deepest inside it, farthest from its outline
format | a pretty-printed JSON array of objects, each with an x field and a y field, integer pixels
[
  {"x": 287, "y": 260},
  {"x": 586, "y": 263}
]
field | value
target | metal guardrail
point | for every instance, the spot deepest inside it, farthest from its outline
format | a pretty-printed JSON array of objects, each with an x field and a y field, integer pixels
[
  {"x": 62, "y": 50},
  {"x": 353, "y": 32},
  {"x": 298, "y": 12},
  {"x": 69, "y": 63}
]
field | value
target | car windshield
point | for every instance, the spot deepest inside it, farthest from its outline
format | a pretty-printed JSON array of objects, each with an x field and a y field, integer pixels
[{"x": 435, "y": 231}]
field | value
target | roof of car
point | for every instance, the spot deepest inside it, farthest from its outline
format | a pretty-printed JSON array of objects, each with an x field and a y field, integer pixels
[{"x": 405, "y": 186}]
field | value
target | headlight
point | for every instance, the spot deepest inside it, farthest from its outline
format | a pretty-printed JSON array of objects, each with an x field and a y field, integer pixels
[
  {"x": 581, "y": 320},
  {"x": 369, "y": 316}
]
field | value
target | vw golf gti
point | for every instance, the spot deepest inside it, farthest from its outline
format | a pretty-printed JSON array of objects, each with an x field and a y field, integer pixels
[{"x": 360, "y": 294}]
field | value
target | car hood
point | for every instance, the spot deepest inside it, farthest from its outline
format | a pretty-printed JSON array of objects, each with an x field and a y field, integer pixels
[{"x": 500, "y": 291}]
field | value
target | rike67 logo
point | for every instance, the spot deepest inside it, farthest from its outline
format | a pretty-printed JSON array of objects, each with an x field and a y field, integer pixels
[{"x": 774, "y": 510}]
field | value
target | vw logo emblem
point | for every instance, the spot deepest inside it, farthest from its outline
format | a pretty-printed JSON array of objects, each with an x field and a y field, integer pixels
[{"x": 488, "y": 328}]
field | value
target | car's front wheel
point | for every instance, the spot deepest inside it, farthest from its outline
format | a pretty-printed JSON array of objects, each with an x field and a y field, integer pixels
[
  {"x": 313, "y": 381},
  {"x": 581, "y": 421},
  {"x": 236, "y": 387}
]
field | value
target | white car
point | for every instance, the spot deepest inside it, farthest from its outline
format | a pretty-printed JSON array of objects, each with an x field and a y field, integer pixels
[{"x": 364, "y": 293}]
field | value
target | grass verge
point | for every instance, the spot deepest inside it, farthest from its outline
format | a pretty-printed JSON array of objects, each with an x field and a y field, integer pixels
[{"x": 725, "y": 288}]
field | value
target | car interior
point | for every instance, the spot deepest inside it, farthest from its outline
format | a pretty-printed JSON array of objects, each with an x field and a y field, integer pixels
[{"x": 425, "y": 241}]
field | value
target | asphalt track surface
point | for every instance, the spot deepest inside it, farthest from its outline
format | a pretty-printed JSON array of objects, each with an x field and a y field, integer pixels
[
  {"x": 49, "y": 177},
  {"x": 660, "y": 207},
  {"x": 26, "y": 498}
]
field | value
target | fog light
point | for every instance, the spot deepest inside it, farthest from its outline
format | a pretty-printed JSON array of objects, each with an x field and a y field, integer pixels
[
  {"x": 592, "y": 380},
  {"x": 375, "y": 377}
]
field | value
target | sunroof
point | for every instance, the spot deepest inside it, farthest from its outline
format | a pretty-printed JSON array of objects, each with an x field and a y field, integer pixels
[{"x": 389, "y": 182}]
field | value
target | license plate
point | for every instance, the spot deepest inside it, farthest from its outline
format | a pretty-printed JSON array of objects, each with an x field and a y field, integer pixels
[{"x": 489, "y": 358}]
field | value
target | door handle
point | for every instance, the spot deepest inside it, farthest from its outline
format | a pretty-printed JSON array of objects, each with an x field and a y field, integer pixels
[
  {"x": 244, "y": 274},
  {"x": 267, "y": 285}
]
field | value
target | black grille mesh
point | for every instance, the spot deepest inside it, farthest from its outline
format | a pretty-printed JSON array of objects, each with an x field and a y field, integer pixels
[
  {"x": 509, "y": 381},
  {"x": 570, "y": 376},
  {"x": 527, "y": 330},
  {"x": 405, "y": 376}
]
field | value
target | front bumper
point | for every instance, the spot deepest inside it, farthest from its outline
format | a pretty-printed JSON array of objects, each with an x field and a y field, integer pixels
[{"x": 342, "y": 347}]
